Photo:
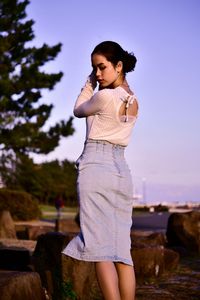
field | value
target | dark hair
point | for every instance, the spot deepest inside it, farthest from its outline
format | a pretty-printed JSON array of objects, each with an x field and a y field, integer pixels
[{"x": 115, "y": 53}]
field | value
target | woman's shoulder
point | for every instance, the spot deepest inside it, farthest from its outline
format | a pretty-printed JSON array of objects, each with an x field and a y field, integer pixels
[
  {"x": 105, "y": 91},
  {"x": 125, "y": 90},
  {"x": 118, "y": 92},
  {"x": 104, "y": 94},
  {"x": 110, "y": 92}
]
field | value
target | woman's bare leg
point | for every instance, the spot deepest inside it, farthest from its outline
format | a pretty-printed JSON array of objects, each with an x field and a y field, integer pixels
[
  {"x": 126, "y": 276},
  {"x": 108, "y": 280}
]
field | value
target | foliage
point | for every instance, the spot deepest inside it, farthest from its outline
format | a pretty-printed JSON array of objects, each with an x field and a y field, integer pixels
[
  {"x": 161, "y": 208},
  {"x": 156, "y": 208},
  {"x": 140, "y": 209},
  {"x": 21, "y": 205},
  {"x": 22, "y": 80},
  {"x": 61, "y": 178},
  {"x": 67, "y": 291},
  {"x": 44, "y": 181}
]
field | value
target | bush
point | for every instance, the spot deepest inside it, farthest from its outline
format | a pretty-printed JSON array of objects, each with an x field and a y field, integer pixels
[
  {"x": 161, "y": 208},
  {"x": 140, "y": 209},
  {"x": 21, "y": 205}
]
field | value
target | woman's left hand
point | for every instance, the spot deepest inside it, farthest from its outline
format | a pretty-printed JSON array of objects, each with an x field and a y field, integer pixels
[{"x": 93, "y": 80}]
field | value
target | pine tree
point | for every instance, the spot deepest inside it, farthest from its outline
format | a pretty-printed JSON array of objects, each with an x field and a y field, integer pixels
[{"x": 22, "y": 117}]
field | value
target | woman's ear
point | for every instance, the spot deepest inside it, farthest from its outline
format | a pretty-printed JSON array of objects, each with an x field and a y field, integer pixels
[{"x": 119, "y": 66}]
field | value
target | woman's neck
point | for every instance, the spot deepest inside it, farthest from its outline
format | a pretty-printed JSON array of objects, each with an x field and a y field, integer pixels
[
  {"x": 118, "y": 82},
  {"x": 126, "y": 87}
]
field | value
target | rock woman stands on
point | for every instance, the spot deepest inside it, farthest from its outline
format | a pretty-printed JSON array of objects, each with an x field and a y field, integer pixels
[{"x": 104, "y": 181}]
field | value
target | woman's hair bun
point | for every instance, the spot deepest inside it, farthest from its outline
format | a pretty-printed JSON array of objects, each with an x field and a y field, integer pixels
[{"x": 129, "y": 62}]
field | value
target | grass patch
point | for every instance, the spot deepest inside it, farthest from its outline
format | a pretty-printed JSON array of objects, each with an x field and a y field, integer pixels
[
  {"x": 51, "y": 208},
  {"x": 49, "y": 212}
]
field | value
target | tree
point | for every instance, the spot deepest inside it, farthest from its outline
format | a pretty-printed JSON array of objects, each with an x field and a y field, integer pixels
[
  {"x": 44, "y": 181},
  {"x": 22, "y": 79}
]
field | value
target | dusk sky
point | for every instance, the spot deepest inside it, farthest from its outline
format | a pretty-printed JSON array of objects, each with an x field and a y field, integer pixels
[{"x": 164, "y": 152}]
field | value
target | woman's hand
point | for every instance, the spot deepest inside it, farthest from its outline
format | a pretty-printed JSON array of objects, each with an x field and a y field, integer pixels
[{"x": 93, "y": 79}]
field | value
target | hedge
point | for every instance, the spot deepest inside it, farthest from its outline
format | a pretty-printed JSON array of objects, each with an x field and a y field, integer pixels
[{"x": 21, "y": 205}]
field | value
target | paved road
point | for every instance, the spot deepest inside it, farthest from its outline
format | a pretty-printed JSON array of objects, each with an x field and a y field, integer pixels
[
  {"x": 145, "y": 221},
  {"x": 151, "y": 221}
]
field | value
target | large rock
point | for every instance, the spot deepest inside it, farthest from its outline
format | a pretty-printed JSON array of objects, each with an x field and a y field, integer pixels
[
  {"x": 47, "y": 261},
  {"x": 30, "y": 230},
  {"x": 183, "y": 230},
  {"x": 138, "y": 239},
  {"x": 151, "y": 258},
  {"x": 20, "y": 286},
  {"x": 153, "y": 261},
  {"x": 82, "y": 276},
  {"x": 60, "y": 272},
  {"x": 15, "y": 259},
  {"x": 16, "y": 254},
  {"x": 15, "y": 243},
  {"x": 7, "y": 226}
]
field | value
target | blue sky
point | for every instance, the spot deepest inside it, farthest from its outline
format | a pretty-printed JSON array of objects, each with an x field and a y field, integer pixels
[{"x": 164, "y": 152}]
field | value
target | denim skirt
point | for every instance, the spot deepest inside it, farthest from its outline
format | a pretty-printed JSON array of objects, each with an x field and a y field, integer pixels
[{"x": 105, "y": 195}]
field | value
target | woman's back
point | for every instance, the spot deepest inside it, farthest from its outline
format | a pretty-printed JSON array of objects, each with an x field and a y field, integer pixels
[{"x": 115, "y": 120}]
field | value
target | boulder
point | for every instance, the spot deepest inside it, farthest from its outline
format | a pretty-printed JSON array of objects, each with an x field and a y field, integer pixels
[
  {"x": 20, "y": 286},
  {"x": 16, "y": 254},
  {"x": 60, "y": 273},
  {"x": 15, "y": 259},
  {"x": 15, "y": 243},
  {"x": 183, "y": 231},
  {"x": 147, "y": 240},
  {"x": 47, "y": 261},
  {"x": 82, "y": 277},
  {"x": 7, "y": 226},
  {"x": 153, "y": 261},
  {"x": 150, "y": 256},
  {"x": 30, "y": 230}
]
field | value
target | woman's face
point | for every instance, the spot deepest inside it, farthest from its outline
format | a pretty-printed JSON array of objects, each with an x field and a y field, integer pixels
[{"x": 106, "y": 74}]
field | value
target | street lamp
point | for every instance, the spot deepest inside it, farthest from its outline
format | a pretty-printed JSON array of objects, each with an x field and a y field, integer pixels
[{"x": 144, "y": 189}]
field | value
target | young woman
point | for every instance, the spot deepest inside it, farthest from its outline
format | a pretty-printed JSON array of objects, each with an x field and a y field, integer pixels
[{"x": 104, "y": 181}]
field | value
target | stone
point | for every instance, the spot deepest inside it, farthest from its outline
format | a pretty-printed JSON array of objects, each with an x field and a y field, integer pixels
[
  {"x": 30, "y": 230},
  {"x": 151, "y": 261},
  {"x": 15, "y": 259},
  {"x": 152, "y": 239},
  {"x": 47, "y": 261},
  {"x": 151, "y": 257},
  {"x": 20, "y": 286},
  {"x": 16, "y": 254},
  {"x": 82, "y": 276},
  {"x": 171, "y": 260},
  {"x": 35, "y": 231},
  {"x": 58, "y": 271},
  {"x": 7, "y": 226},
  {"x": 183, "y": 231},
  {"x": 15, "y": 243}
]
